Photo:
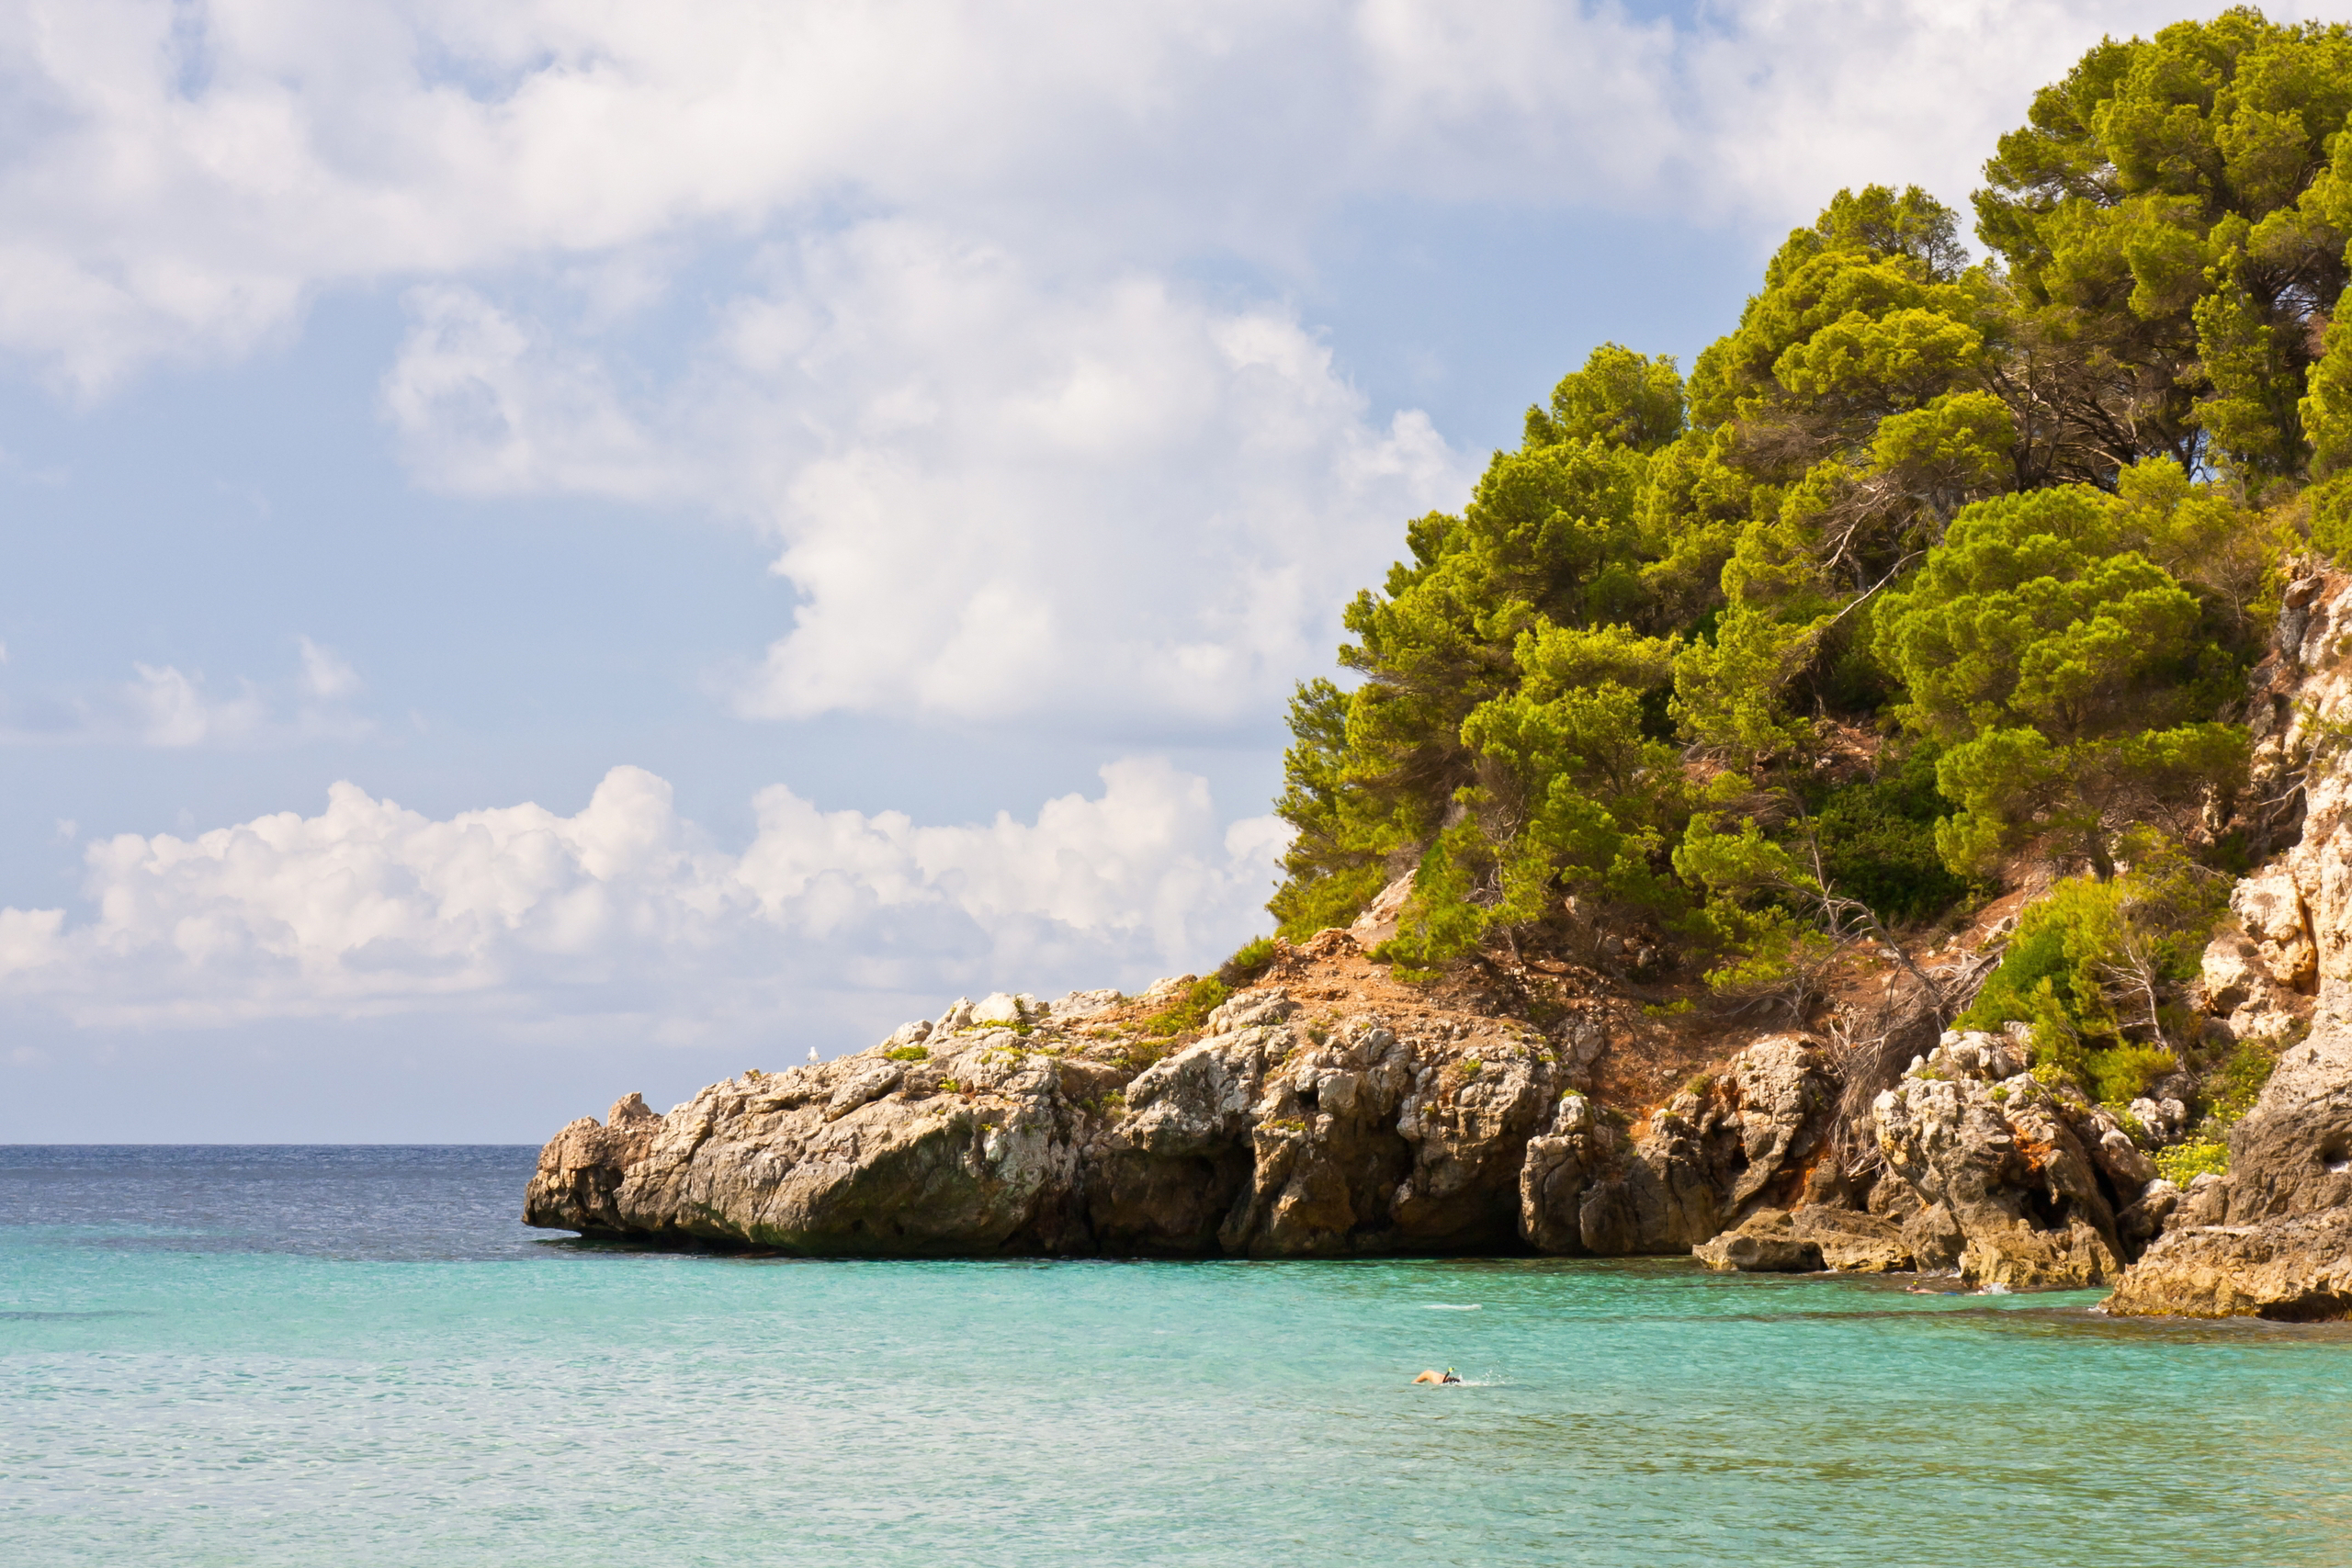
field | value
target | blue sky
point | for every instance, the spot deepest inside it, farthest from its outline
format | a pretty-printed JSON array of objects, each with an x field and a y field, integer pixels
[{"x": 917, "y": 447}]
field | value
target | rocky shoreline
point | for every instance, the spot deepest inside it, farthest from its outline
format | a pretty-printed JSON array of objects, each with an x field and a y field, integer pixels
[
  {"x": 1324, "y": 1110},
  {"x": 1018, "y": 1127}
]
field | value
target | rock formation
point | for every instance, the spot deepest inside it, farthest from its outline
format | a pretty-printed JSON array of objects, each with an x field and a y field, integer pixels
[
  {"x": 2273, "y": 1237},
  {"x": 1016, "y": 1127},
  {"x": 1279, "y": 1131},
  {"x": 1328, "y": 1111},
  {"x": 1283, "y": 1131},
  {"x": 1746, "y": 1138},
  {"x": 2027, "y": 1178}
]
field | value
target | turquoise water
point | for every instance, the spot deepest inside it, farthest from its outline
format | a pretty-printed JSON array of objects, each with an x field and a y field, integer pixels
[{"x": 337, "y": 1356}]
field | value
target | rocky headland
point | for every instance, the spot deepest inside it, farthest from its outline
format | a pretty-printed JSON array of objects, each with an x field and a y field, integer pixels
[{"x": 1317, "y": 1106}]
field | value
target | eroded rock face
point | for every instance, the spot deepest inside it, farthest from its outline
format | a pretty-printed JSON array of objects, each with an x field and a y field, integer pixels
[
  {"x": 1270, "y": 1136},
  {"x": 2274, "y": 1236},
  {"x": 2261, "y": 969},
  {"x": 1710, "y": 1158},
  {"x": 2026, "y": 1178}
]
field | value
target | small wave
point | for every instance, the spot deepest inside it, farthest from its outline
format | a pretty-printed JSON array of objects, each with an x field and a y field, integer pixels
[
  {"x": 1441, "y": 1306},
  {"x": 1995, "y": 1288}
]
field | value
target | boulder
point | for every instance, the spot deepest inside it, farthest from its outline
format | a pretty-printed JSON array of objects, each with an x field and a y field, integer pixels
[
  {"x": 2128, "y": 1169},
  {"x": 1378, "y": 921},
  {"x": 2144, "y": 1220},
  {"x": 2164, "y": 1120},
  {"x": 1850, "y": 1240},
  {"x": 2297, "y": 1270},
  {"x": 1934, "y": 1239},
  {"x": 1080, "y": 1006},
  {"x": 1005, "y": 1007},
  {"x": 1764, "y": 1243},
  {"x": 2005, "y": 1160},
  {"x": 1806, "y": 1240}
]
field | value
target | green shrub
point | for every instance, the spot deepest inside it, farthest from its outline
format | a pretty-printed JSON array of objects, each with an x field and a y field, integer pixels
[
  {"x": 908, "y": 1053},
  {"x": 1188, "y": 1011},
  {"x": 2088, "y": 960},
  {"x": 2120, "y": 1074},
  {"x": 1249, "y": 959},
  {"x": 2232, "y": 1091},
  {"x": 2036, "y": 975},
  {"x": 1309, "y": 905},
  {"x": 1878, "y": 841},
  {"x": 2184, "y": 1163}
]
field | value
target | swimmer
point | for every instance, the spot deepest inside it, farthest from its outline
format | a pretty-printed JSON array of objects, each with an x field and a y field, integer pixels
[{"x": 1434, "y": 1375}]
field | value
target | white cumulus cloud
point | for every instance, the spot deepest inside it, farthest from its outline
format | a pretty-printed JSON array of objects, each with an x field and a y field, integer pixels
[
  {"x": 995, "y": 497},
  {"x": 623, "y": 908}
]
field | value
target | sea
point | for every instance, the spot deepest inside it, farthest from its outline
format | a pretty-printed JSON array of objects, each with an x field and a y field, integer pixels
[{"x": 359, "y": 1355}]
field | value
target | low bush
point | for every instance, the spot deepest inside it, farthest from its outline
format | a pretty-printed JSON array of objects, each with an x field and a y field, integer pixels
[
  {"x": 2232, "y": 1087},
  {"x": 1249, "y": 959},
  {"x": 2184, "y": 1163},
  {"x": 2120, "y": 1075},
  {"x": 1188, "y": 1011},
  {"x": 908, "y": 1053},
  {"x": 2099, "y": 967}
]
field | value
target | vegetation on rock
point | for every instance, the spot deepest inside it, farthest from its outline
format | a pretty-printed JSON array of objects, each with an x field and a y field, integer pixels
[{"x": 1931, "y": 563}]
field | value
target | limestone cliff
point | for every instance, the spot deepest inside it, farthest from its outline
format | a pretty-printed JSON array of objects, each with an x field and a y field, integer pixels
[
  {"x": 2274, "y": 1235},
  {"x": 1319, "y": 1114}
]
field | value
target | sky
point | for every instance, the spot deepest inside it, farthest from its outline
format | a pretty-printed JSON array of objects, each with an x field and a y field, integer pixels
[{"x": 556, "y": 548}]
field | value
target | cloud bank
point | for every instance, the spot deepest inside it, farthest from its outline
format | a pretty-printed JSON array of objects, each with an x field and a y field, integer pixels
[
  {"x": 903, "y": 285},
  {"x": 183, "y": 178},
  {"x": 523, "y": 919},
  {"x": 996, "y": 496}
]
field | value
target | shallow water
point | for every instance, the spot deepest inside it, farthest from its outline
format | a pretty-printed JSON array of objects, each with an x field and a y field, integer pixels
[{"x": 357, "y": 1356}]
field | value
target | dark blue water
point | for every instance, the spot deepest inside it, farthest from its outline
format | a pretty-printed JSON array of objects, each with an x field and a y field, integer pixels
[{"x": 358, "y": 1356}]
